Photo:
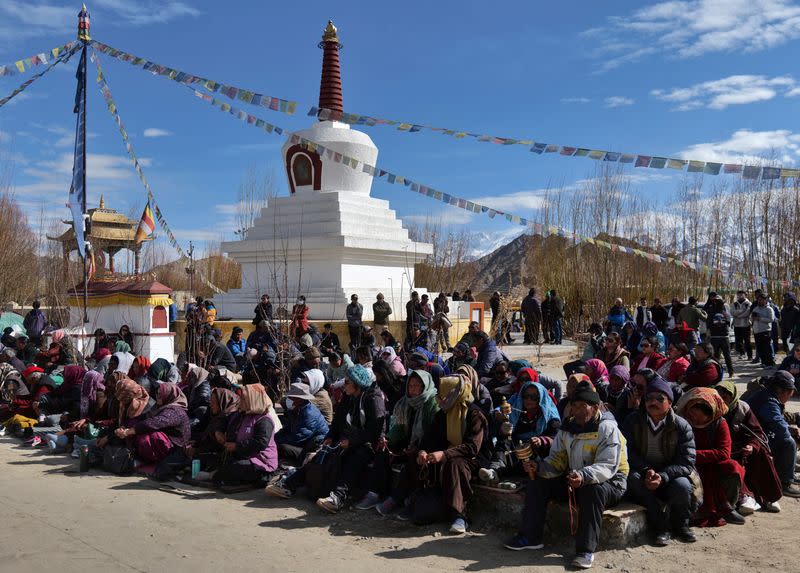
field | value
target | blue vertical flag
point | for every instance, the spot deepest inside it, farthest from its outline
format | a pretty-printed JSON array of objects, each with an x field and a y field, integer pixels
[{"x": 77, "y": 190}]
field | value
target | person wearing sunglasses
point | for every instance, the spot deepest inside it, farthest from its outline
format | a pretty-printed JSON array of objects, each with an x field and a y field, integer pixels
[
  {"x": 661, "y": 453},
  {"x": 649, "y": 356}
]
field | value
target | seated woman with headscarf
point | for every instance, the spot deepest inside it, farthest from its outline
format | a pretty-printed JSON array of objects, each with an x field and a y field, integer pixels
[
  {"x": 619, "y": 380},
  {"x": 66, "y": 396},
  {"x": 18, "y": 411},
  {"x": 597, "y": 372},
  {"x": 357, "y": 428},
  {"x": 154, "y": 429},
  {"x": 389, "y": 382},
  {"x": 630, "y": 338},
  {"x": 389, "y": 356},
  {"x": 138, "y": 373},
  {"x": 537, "y": 423},
  {"x": 164, "y": 371},
  {"x": 91, "y": 408},
  {"x": 410, "y": 419},
  {"x": 125, "y": 335},
  {"x": 452, "y": 445},
  {"x": 722, "y": 476},
  {"x": 250, "y": 453},
  {"x": 676, "y": 363},
  {"x": 305, "y": 427},
  {"x": 750, "y": 447},
  {"x": 66, "y": 353},
  {"x": 197, "y": 388},
  {"x": 316, "y": 384}
]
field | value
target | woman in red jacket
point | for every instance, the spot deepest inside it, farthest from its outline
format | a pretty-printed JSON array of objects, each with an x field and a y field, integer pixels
[
  {"x": 676, "y": 363},
  {"x": 722, "y": 477},
  {"x": 649, "y": 356}
]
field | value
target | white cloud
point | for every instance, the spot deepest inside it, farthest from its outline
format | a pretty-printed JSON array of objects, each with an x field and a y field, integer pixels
[
  {"x": 144, "y": 12},
  {"x": 575, "y": 100},
  {"x": 733, "y": 90},
  {"x": 691, "y": 28},
  {"x": 619, "y": 101},
  {"x": 746, "y": 146},
  {"x": 516, "y": 202},
  {"x": 156, "y": 132}
]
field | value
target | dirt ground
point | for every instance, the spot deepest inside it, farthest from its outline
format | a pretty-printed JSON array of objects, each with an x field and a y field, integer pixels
[{"x": 56, "y": 519}]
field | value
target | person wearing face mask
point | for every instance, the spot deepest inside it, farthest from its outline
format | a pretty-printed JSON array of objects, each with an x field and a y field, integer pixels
[
  {"x": 588, "y": 459},
  {"x": 299, "y": 323},
  {"x": 661, "y": 454},
  {"x": 357, "y": 429},
  {"x": 305, "y": 426}
]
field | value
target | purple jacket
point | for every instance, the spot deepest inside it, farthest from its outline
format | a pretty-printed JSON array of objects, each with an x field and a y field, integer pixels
[
  {"x": 255, "y": 440},
  {"x": 174, "y": 422}
]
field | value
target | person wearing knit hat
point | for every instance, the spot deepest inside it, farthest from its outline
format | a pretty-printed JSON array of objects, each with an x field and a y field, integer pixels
[
  {"x": 359, "y": 376},
  {"x": 768, "y": 405},
  {"x": 355, "y": 434},
  {"x": 662, "y": 454},
  {"x": 587, "y": 457}
]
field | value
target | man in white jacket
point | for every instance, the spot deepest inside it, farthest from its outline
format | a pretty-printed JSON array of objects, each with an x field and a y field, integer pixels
[
  {"x": 762, "y": 317},
  {"x": 588, "y": 464},
  {"x": 741, "y": 324}
]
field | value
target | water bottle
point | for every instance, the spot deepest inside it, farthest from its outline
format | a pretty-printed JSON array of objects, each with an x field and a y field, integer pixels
[
  {"x": 195, "y": 468},
  {"x": 84, "y": 463}
]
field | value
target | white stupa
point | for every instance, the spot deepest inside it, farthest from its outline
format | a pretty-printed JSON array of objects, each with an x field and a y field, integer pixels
[{"x": 329, "y": 238}]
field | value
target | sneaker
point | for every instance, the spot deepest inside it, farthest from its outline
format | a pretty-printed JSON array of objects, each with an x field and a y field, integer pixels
[
  {"x": 386, "y": 507},
  {"x": 686, "y": 535},
  {"x": 2, "y": 431},
  {"x": 368, "y": 501},
  {"x": 748, "y": 506},
  {"x": 791, "y": 490},
  {"x": 279, "y": 490},
  {"x": 487, "y": 475},
  {"x": 331, "y": 504},
  {"x": 405, "y": 514},
  {"x": 36, "y": 441},
  {"x": 583, "y": 560},
  {"x": 459, "y": 526},
  {"x": 662, "y": 539},
  {"x": 735, "y": 518},
  {"x": 771, "y": 507},
  {"x": 519, "y": 543}
]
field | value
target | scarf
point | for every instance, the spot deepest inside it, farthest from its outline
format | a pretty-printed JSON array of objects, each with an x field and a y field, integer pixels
[
  {"x": 597, "y": 371},
  {"x": 132, "y": 398},
  {"x": 454, "y": 399},
  {"x": 316, "y": 380},
  {"x": 170, "y": 396},
  {"x": 160, "y": 369},
  {"x": 142, "y": 365},
  {"x": 122, "y": 346},
  {"x": 704, "y": 395},
  {"x": 195, "y": 376},
  {"x": 125, "y": 361},
  {"x": 547, "y": 408},
  {"x": 227, "y": 400},
  {"x": 253, "y": 400},
  {"x": 57, "y": 335},
  {"x": 470, "y": 376},
  {"x": 407, "y": 404},
  {"x": 73, "y": 376},
  {"x": 516, "y": 365},
  {"x": 730, "y": 386},
  {"x": 92, "y": 382},
  {"x": 615, "y": 387}
]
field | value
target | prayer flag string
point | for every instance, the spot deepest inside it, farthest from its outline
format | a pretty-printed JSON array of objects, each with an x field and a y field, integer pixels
[
  {"x": 21, "y": 66},
  {"x": 105, "y": 90},
  {"x": 330, "y": 154},
  {"x": 232, "y": 92},
  {"x": 66, "y": 55}
]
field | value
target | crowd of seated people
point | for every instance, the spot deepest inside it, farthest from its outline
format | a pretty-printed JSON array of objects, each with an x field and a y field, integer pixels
[{"x": 400, "y": 430}]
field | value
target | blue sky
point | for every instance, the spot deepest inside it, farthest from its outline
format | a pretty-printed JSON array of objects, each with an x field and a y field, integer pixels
[{"x": 705, "y": 80}]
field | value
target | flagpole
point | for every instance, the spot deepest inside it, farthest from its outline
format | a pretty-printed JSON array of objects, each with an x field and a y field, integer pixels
[{"x": 83, "y": 36}]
